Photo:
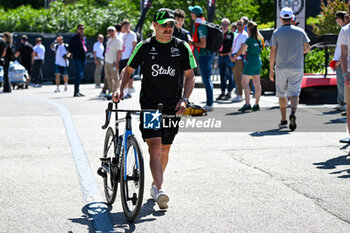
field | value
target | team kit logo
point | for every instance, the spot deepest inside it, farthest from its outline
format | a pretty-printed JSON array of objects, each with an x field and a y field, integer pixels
[
  {"x": 154, "y": 120},
  {"x": 160, "y": 70}
]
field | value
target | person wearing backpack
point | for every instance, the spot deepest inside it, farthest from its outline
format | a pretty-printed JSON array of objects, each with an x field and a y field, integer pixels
[
  {"x": 61, "y": 62},
  {"x": 203, "y": 56},
  {"x": 252, "y": 47}
]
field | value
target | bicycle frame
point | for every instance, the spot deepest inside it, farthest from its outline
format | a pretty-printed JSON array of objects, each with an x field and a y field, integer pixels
[{"x": 128, "y": 128}]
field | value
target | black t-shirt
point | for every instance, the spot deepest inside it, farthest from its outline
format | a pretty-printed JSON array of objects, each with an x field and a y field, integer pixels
[
  {"x": 163, "y": 66},
  {"x": 2, "y": 46},
  {"x": 181, "y": 33},
  {"x": 26, "y": 51},
  {"x": 227, "y": 42}
]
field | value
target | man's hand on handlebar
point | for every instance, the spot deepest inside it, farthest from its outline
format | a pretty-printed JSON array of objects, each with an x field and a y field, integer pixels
[{"x": 117, "y": 95}]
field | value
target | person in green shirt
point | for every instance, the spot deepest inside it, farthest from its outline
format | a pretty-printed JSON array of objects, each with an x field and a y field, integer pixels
[{"x": 252, "y": 67}]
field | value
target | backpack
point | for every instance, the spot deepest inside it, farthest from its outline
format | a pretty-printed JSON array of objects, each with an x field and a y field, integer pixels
[
  {"x": 214, "y": 37},
  {"x": 194, "y": 110},
  {"x": 65, "y": 46}
]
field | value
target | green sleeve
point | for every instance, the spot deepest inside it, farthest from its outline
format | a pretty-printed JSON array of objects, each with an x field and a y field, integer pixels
[
  {"x": 192, "y": 61},
  {"x": 135, "y": 56}
]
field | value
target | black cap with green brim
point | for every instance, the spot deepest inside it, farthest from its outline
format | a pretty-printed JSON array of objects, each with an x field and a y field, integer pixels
[{"x": 164, "y": 15}]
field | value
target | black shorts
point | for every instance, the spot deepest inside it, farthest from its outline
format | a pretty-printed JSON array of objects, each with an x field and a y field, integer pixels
[
  {"x": 28, "y": 67},
  {"x": 122, "y": 65},
  {"x": 169, "y": 127}
]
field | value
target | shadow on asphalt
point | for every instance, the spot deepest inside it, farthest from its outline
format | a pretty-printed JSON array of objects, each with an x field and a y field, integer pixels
[
  {"x": 147, "y": 214},
  {"x": 333, "y": 163},
  {"x": 332, "y": 112},
  {"x": 336, "y": 121},
  {"x": 236, "y": 113},
  {"x": 271, "y": 132}
]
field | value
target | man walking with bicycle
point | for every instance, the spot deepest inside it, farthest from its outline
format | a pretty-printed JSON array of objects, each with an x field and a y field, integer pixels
[{"x": 165, "y": 61}]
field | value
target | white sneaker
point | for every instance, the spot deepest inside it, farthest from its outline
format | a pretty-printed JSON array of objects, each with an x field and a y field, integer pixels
[
  {"x": 238, "y": 98},
  {"x": 132, "y": 90},
  {"x": 154, "y": 192},
  {"x": 208, "y": 108},
  {"x": 57, "y": 90},
  {"x": 340, "y": 108},
  {"x": 101, "y": 94},
  {"x": 162, "y": 199}
]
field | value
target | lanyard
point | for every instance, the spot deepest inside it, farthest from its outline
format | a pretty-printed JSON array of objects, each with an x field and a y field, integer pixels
[{"x": 109, "y": 44}]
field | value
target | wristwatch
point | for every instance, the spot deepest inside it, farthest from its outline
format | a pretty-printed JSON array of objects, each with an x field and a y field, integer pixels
[{"x": 186, "y": 100}]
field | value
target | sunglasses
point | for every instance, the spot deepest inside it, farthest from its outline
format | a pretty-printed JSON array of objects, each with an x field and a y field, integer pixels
[
  {"x": 239, "y": 24},
  {"x": 81, "y": 28},
  {"x": 110, "y": 31},
  {"x": 170, "y": 24},
  {"x": 225, "y": 24}
]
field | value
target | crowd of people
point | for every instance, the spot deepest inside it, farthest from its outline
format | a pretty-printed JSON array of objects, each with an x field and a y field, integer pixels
[
  {"x": 238, "y": 59},
  {"x": 167, "y": 60}
]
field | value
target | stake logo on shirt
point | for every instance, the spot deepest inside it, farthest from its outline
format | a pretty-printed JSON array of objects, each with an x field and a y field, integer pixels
[{"x": 160, "y": 70}]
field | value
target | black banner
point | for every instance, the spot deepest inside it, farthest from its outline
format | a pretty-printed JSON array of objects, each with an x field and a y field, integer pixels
[
  {"x": 211, "y": 10},
  {"x": 138, "y": 29}
]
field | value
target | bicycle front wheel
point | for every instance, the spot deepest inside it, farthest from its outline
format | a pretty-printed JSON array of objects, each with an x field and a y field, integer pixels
[
  {"x": 132, "y": 180},
  {"x": 110, "y": 181}
]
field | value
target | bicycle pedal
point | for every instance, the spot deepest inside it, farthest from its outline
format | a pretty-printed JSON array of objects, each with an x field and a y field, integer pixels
[{"x": 101, "y": 172}]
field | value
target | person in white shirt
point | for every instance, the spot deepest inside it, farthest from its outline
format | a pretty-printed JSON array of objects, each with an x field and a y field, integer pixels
[
  {"x": 344, "y": 42},
  {"x": 97, "y": 52},
  {"x": 340, "y": 19},
  {"x": 39, "y": 56},
  {"x": 112, "y": 57},
  {"x": 61, "y": 62},
  {"x": 239, "y": 40},
  {"x": 129, "y": 43}
]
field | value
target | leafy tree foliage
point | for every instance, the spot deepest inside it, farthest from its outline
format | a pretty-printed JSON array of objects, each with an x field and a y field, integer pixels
[
  {"x": 325, "y": 22},
  {"x": 97, "y": 15}
]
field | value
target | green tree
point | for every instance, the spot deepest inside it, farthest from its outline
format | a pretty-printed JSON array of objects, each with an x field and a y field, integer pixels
[
  {"x": 8, "y": 4},
  {"x": 325, "y": 22}
]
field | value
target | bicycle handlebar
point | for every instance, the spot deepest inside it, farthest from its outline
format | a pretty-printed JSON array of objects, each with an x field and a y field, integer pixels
[{"x": 110, "y": 109}]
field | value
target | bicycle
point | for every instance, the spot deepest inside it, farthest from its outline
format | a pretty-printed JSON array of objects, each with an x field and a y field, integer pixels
[{"x": 123, "y": 162}]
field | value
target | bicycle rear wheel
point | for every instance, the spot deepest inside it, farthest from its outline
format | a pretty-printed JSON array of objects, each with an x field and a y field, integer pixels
[
  {"x": 132, "y": 180},
  {"x": 110, "y": 181}
]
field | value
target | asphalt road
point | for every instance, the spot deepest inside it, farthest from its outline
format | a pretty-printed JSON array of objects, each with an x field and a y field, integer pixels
[{"x": 246, "y": 177}]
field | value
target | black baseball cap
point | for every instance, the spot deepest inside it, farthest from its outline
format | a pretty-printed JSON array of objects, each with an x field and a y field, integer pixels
[{"x": 164, "y": 15}]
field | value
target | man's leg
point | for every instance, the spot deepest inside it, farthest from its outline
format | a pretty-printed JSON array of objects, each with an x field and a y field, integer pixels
[
  {"x": 222, "y": 70},
  {"x": 155, "y": 151},
  {"x": 58, "y": 80},
  {"x": 165, "y": 156},
  {"x": 78, "y": 68},
  {"x": 35, "y": 72},
  {"x": 108, "y": 77},
  {"x": 283, "y": 108},
  {"x": 340, "y": 86},
  {"x": 205, "y": 68},
  {"x": 294, "y": 101},
  {"x": 237, "y": 75},
  {"x": 97, "y": 75},
  {"x": 231, "y": 82},
  {"x": 65, "y": 79},
  {"x": 40, "y": 77}
]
